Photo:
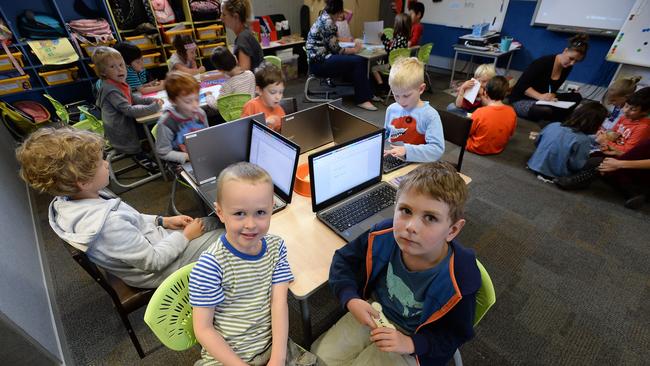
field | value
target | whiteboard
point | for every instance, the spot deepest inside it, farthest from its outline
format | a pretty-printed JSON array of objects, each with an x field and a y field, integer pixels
[
  {"x": 465, "y": 13},
  {"x": 631, "y": 43},
  {"x": 593, "y": 14}
]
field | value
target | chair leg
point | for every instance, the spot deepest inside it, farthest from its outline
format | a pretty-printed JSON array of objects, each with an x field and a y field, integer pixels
[
  {"x": 458, "y": 361},
  {"x": 390, "y": 92},
  {"x": 314, "y": 100},
  {"x": 129, "y": 329},
  {"x": 172, "y": 198},
  {"x": 428, "y": 79},
  {"x": 112, "y": 157}
]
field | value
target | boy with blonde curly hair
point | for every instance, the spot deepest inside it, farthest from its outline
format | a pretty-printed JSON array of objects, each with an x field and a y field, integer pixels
[
  {"x": 140, "y": 249},
  {"x": 414, "y": 128}
]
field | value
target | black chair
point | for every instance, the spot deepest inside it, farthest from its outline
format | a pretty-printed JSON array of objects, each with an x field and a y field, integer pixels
[
  {"x": 126, "y": 299},
  {"x": 290, "y": 105},
  {"x": 456, "y": 129}
]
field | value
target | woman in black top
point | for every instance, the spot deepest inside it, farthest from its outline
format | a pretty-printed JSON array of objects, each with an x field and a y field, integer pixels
[
  {"x": 234, "y": 14},
  {"x": 542, "y": 79}
]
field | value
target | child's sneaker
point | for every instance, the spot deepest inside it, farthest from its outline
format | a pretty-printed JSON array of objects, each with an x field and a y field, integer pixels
[{"x": 145, "y": 162}]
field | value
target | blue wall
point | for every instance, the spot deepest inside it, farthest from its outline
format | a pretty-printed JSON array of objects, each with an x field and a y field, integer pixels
[{"x": 537, "y": 41}]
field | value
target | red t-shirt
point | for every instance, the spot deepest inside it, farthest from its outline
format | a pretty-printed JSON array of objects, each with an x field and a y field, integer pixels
[
  {"x": 492, "y": 128},
  {"x": 631, "y": 133},
  {"x": 416, "y": 33}
]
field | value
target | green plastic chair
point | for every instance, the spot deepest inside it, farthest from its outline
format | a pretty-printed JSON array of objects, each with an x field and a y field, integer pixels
[
  {"x": 59, "y": 109},
  {"x": 485, "y": 298},
  {"x": 388, "y": 32},
  {"x": 392, "y": 58},
  {"x": 423, "y": 55},
  {"x": 169, "y": 313},
  {"x": 230, "y": 106},
  {"x": 275, "y": 60},
  {"x": 90, "y": 122}
]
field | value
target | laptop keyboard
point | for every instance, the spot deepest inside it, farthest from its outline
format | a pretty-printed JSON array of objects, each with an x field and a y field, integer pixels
[
  {"x": 362, "y": 208},
  {"x": 391, "y": 162}
]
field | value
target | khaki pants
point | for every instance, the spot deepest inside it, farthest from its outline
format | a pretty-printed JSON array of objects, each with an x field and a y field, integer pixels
[
  {"x": 296, "y": 356},
  {"x": 348, "y": 343}
]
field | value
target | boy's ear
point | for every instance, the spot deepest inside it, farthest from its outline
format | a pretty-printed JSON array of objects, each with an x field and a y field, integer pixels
[
  {"x": 455, "y": 229},
  {"x": 258, "y": 90},
  {"x": 218, "y": 211},
  {"x": 421, "y": 88}
]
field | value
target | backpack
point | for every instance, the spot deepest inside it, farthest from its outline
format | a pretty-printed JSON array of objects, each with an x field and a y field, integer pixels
[
  {"x": 128, "y": 13},
  {"x": 39, "y": 26},
  {"x": 205, "y": 9},
  {"x": 96, "y": 29},
  {"x": 36, "y": 112}
]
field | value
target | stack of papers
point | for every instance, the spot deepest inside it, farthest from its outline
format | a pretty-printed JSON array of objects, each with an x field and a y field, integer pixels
[{"x": 557, "y": 104}]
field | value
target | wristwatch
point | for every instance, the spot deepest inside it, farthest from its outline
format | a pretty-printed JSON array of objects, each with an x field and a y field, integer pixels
[{"x": 159, "y": 221}]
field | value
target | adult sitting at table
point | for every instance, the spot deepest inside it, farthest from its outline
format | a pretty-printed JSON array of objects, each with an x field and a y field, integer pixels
[
  {"x": 541, "y": 80},
  {"x": 234, "y": 14},
  {"x": 328, "y": 59}
]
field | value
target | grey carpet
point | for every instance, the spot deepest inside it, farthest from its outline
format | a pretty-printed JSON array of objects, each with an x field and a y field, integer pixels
[{"x": 570, "y": 270}]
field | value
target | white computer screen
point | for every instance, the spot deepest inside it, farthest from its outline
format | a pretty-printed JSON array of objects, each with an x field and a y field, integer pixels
[
  {"x": 275, "y": 156},
  {"x": 346, "y": 167}
]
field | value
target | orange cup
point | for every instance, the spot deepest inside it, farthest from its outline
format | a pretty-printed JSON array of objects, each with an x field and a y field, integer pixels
[{"x": 301, "y": 186}]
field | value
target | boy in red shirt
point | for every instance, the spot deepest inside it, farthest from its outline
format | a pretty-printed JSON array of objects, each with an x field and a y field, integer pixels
[
  {"x": 269, "y": 86},
  {"x": 631, "y": 129},
  {"x": 416, "y": 10},
  {"x": 494, "y": 124}
]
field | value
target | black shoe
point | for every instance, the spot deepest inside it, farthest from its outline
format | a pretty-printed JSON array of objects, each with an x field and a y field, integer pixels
[
  {"x": 581, "y": 180},
  {"x": 635, "y": 202},
  {"x": 145, "y": 162}
]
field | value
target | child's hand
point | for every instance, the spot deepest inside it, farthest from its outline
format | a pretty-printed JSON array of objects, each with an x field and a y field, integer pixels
[
  {"x": 601, "y": 137},
  {"x": 160, "y": 102},
  {"x": 201, "y": 69},
  {"x": 396, "y": 151},
  {"x": 469, "y": 84},
  {"x": 363, "y": 312},
  {"x": 176, "y": 222},
  {"x": 274, "y": 122},
  {"x": 391, "y": 340},
  {"x": 193, "y": 229},
  {"x": 610, "y": 165}
]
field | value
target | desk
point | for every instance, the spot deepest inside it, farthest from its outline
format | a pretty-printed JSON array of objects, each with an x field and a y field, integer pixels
[
  {"x": 277, "y": 45},
  {"x": 310, "y": 244},
  {"x": 474, "y": 52},
  {"x": 375, "y": 53}
]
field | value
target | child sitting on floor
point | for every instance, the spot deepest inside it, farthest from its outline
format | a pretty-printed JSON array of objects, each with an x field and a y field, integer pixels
[
  {"x": 412, "y": 266},
  {"x": 120, "y": 107},
  {"x": 413, "y": 127},
  {"x": 631, "y": 128},
  {"x": 183, "y": 115},
  {"x": 140, "y": 249},
  {"x": 494, "y": 124},
  {"x": 269, "y": 85},
  {"x": 462, "y": 106}
]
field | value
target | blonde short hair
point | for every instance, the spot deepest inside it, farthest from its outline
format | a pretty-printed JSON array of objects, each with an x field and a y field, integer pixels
[
  {"x": 101, "y": 56},
  {"x": 438, "y": 181},
  {"x": 406, "y": 73},
  {"x": 243, "y": 171},
  {"x": 56, "y": 160},
  {"x": 486, "y": 70}
]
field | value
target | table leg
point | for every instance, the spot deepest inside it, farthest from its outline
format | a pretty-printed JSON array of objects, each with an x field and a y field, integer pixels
[
  {"x": 453, "y": 69},
  {"x": 306, "y": 321},
  {"x": 152, "y": 144},
  {"x": 509, "y": 60}
]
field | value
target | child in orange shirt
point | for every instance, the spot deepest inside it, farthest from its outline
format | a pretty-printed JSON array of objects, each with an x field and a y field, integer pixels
[
  {"x": 269, "y": 86},
  {"x": 631, "y": 129},
  {"x": 494, "y": 124}
]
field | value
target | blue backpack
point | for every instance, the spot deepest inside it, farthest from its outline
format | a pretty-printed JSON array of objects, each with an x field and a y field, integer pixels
[{"x": 39, "y": 26}]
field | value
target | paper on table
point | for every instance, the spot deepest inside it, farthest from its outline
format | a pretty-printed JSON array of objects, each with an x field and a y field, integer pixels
[
  {"x": 346, "y": 44},
  {"x": 558, "y": 104},
  {"x": 371, "y": 31},
  {"x": 471, "y": 94}
]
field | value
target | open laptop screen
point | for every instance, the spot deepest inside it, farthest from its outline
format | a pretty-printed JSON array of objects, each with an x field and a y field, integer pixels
[
  {"x": 275, "y": 154},
  {"x": 346, "y": 169}
]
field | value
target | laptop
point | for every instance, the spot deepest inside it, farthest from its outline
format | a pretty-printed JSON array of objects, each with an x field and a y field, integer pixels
[
  {"x": 279, "y": 157},
  {"x": 214, "y": 148},
  {"x": 347, "y": 126},
  {"x": 347, "y": 192},
  {"x": 309, "y": 128}
]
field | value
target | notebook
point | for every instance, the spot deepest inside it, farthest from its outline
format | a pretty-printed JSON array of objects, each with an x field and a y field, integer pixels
[
  {"x": 309, "y": 128},
  {"x": 279, "y": 157},
  {"x": 347, "y": 192}
]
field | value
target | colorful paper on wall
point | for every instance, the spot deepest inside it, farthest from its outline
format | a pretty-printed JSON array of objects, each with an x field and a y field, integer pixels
[{"x": 54, "y": 51}]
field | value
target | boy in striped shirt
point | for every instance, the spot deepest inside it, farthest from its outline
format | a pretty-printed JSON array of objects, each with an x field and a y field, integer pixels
[
  {"x": 136, "y": 75},
  {"x": 238, "y": 288}
]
